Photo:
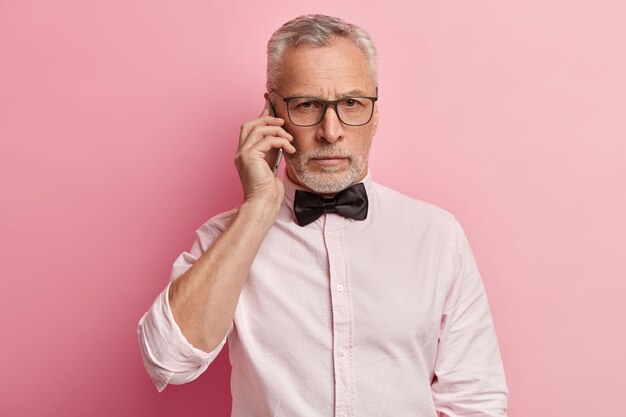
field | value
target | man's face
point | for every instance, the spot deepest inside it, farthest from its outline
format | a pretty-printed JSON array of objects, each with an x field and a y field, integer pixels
[{"x": 330, "y": 155}]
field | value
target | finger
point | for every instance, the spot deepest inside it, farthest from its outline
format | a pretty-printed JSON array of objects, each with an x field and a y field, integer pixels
[
  {"x": 262, "y": 151},
  {"x": 266, "y": 120},
  {"x": 271, "y": 130},
  {"x": 258, "y": 132},
  {"x": 273, "y": 142}
]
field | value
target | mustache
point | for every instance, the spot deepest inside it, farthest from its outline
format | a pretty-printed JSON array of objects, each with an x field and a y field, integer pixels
[{"x": 325, "y": 152}]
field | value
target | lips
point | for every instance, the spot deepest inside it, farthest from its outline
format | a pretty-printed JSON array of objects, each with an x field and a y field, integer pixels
[
  {"x": 330, "y": 160},
  {"x": 330, "y": 157}
]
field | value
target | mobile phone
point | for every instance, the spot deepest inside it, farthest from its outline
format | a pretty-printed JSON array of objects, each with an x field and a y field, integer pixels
[
  {"x": 279, "y": 156},
  {"x": 279, "y": 151}
]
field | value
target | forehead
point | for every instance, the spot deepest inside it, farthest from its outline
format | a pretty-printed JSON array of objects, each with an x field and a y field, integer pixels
[{"x": 325, "y": 71}]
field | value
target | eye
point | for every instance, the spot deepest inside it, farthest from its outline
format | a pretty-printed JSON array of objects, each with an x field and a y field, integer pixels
[
  {"x": 305, "y": 104},
  {"x": 353, "y": 104}
]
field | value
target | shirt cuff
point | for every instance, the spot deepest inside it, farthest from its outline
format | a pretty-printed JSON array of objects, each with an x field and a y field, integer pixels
[{"x": 167, "y": 354}]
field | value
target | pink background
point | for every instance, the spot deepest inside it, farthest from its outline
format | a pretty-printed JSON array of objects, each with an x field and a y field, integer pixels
[{"x": 118, "y": 125}]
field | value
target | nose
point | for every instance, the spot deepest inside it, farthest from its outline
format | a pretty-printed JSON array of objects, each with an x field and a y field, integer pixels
[{"x": 330, "y": 129}]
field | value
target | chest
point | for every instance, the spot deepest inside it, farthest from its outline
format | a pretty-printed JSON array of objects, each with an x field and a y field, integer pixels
[{"x": 368, "y": 287}]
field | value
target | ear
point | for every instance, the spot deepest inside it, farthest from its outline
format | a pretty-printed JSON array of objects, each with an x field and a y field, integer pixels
[
  {"x": 374, "y": 121},
  {"x": 266, "y": 96}
]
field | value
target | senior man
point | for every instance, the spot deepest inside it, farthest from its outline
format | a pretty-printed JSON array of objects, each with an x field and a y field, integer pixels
[{"x": 337, "y": 296}]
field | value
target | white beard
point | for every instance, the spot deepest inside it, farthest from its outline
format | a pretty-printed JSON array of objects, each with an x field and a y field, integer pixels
[{"x": 329, "y": 181}]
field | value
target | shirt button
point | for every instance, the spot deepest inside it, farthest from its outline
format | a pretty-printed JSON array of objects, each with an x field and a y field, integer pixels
[
  {"x": 340, "y": 288},
  {"x": 343, "y": 352}
]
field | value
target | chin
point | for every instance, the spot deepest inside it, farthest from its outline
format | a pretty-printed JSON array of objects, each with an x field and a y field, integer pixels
[{"x": 329, "y": 181}]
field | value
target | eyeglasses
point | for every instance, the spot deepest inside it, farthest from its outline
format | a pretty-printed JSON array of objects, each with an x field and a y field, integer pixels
[{"x": 309, "y": 111}]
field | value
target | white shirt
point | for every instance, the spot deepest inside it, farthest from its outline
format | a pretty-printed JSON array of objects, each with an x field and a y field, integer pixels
[{"x": 382, "y": 317}]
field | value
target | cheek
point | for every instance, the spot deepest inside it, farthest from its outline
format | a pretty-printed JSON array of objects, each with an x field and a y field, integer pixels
[
  {"x": 364, "y": 144},
  {"x": 364, "y": 149},
  {"x": 302, "y": 139}
]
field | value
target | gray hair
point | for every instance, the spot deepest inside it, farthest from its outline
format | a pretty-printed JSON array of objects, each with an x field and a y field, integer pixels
[{"x": 315, "y": 30}]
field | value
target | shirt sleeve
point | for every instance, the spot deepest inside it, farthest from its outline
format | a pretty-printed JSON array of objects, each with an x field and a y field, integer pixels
[
  {"x": 469, "y": 377},
  {"x": 167, "y": 355}
]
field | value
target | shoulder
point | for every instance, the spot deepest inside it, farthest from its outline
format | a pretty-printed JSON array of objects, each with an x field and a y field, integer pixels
[
  {"x": 392, "y": 203},
  {"x": 413, "y": 223}
]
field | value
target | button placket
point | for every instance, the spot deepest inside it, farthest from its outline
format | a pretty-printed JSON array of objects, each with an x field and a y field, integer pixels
[{"x": 342, "y": 314}]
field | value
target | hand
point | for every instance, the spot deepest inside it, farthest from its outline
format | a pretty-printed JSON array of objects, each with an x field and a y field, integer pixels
[{"x": 258, "y": 138}]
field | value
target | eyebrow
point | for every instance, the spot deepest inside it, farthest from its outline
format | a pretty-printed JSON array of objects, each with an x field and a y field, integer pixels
[{"x": 352, "y": 93}]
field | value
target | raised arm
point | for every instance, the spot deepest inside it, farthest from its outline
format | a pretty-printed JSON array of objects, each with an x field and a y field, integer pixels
[{"x": 203, "y": 300}]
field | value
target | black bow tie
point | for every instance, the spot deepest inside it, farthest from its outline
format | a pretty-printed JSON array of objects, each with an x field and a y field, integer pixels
[{"x": 351, "y": 202}]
